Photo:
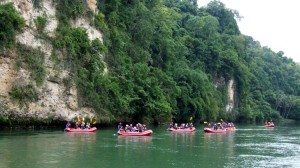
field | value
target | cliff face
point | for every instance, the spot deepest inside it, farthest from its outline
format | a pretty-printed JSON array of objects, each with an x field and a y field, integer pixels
[
  {"x": 230, "y": 99},
  {"x": 55, "y": 101},
  {"x": 218, "y": 82}
]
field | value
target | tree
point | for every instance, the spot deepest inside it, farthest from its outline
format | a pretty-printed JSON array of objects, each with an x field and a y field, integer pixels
[{"x": 225, "y": 16}]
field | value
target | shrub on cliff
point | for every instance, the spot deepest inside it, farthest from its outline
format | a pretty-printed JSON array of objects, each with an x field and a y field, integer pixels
[{"x": 10, "y": 23}]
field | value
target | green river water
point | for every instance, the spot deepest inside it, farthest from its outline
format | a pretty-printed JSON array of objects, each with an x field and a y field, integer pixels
[{"x": 248, "y": 146}]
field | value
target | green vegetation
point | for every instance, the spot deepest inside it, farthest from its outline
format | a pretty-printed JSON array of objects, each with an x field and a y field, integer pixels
[
  {"x": 36, "y": 4},
  {"x": 100, "y": 22},
  {"x": 168, "y": 60},
  {"x": 183, "y": 50},
  {"x": 40, "y": 23},
  {"x": 33, "y": 60},
  {"x": 10, "y": 23},
  {"x": 69, "y": 9},
  {"x": 24, "y": 94},
  {"x": 164, "y": 58}
]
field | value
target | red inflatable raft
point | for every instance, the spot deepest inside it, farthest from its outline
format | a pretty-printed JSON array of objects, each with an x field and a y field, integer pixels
[
  {"x": 231, "y": 129},
  {"x": 93, "y": 129},
  {"x": 270, "y": 126},
  {"x": 182, "y": 130},
  {"x": 211, "y": 130},
  {"x": 144, "y": 133}
]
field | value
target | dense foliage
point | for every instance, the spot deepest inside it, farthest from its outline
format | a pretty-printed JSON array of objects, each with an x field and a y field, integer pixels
[
  {"x": 10, "y": 23},
  {"x": 170, "y": 60}
]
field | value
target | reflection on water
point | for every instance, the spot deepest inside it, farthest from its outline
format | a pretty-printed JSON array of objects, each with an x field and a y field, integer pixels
[
  {"x": 81, "y": 137},
  {"x": 208, "y": 137},
  {"x": 220, "y": 146},
  {"x": 182, "y": 138},
  {"x": 220, "y": 138},
  {"x": 134, "y": 139}
]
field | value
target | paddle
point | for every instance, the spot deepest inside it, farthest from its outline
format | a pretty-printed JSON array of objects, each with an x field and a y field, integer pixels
[{"x": 205, "y": 122}]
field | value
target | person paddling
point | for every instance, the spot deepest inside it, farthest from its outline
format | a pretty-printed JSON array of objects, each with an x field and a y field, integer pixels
[
  {"x": 215, "y": 126},
  {"x": 68, "y": 125},
  {"x": 120, "y": 127}
]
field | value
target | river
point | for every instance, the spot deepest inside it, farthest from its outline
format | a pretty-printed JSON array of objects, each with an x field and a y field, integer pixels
[{"x": 248, "y": 146}]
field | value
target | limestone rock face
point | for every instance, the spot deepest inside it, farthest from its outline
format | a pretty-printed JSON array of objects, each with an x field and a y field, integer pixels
[
  {"x": 92, "y": 4},
  {"x": 218, "y": 82},
  {"x": 55, "y": 100},
  {"x": 230, "y": 104},
  {"x": 92, "y": 32},
  {"x": 8, "y": 75}
]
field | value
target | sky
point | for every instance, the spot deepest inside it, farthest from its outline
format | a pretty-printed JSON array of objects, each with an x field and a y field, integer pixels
[{"x": 274, "y": 23}]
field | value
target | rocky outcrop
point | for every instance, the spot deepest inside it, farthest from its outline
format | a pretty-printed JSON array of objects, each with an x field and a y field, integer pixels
[
  {"x": 55, "y": 101},
  {"x": 8, "y": 75},
  {"x": 93, "y": 33},
  {"x": 92, "y": 5},
  {"x": 218, "y": 82},
  {"x": 230, "y": 100}
]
